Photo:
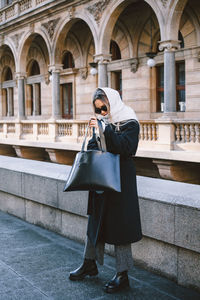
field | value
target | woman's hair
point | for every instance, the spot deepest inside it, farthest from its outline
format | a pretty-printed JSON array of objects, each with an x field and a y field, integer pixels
[{"x": 99, "y": 94}]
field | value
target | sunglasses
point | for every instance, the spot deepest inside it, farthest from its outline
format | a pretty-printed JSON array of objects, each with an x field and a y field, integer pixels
[{"x": 99, "y": 110}]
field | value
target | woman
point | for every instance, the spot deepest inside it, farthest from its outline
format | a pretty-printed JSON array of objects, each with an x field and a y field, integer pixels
[{"x": 114, "y": 217}]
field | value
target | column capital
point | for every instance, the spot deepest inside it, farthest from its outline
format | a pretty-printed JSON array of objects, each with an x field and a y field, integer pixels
[
  {"x": 20, "y": 75},
  {"x": 102, "y": 58},
  {"x": 169, "y": 45},
  {"x": 56, "y": 68}
]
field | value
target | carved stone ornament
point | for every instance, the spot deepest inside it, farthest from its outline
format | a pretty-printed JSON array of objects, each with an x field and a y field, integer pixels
[
  {"x": 71, "y": 12},
  {"x": 97, "y": 9},
  {"x": 50, "y": 27},
  {"x": 16, "y": 38},
  {"x": 134, "y": 65},
  {"x": 32, "y": 27},
  {"x": 164, "y": 2},
  {"x": 84, "y": 73}
]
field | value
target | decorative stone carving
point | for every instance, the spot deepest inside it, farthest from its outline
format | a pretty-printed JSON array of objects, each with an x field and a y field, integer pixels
[
  {"x": 134, "y": 65},
  {"x": 97, "y": 9},
  {"x": 32, "y": 27},
  {"x": 71, "y": 12},
  {"x": 169, "y": 45},
  {"x": 84, "y": 73},
  {"x": 164, "y": 2},
  {"x": 50, "y": 27},
  {"x": 16, "y": 38}
]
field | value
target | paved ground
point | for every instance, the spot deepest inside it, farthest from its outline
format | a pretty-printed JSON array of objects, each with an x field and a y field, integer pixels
[{"x": 35, "y": 263}]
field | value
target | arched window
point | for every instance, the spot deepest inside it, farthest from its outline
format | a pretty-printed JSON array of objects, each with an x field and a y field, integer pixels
[
  {"x": 114, "y": 50},
  {"x": 116, "y": 76},
  {"x": 33, "y": 91},
  {"x": 7, "y": 94},
  {"x": 180, "y": 38},
  {"x": 35, "y": 69},
  {"x": 68, "y": 61},
  {"x": 8, "y": 74}
]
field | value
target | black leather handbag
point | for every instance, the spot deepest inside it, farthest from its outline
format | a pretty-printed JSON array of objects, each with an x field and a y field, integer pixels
[{"x": 95, "y": 170}]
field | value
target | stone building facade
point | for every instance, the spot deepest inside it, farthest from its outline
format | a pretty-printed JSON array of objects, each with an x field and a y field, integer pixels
[{"x": 47, "y": 51}]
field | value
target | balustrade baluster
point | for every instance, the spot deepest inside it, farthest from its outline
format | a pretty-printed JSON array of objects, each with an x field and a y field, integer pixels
[
  {"x": 146, "y": 132},
  {"x": 197, "y": 130},
  {"x": 182, "y": 133},
  {"x": 150, "y": 132},
  {"x": 192, "y": 133},
  {"x": 187, "y": 130},
  {"x": 178, "y": 132},
  {"x": 142, "y": 132}
]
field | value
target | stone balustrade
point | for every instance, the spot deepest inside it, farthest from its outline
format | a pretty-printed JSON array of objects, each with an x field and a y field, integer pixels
[
  {"x": 157, "y": 135},
  {"x": 18, "y": 7},
  {"x": 187, "y": 132},
  {"x": 149, "y": 131}
]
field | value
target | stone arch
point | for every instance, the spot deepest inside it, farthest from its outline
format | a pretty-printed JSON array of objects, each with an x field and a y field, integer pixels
[
  {"x": 188, "y": 31},
  {"x": 109, "y": 20},
  {"x": 7, "y": 72},
  {"x": 35, "y": 54},
  {"x": 33, "y": 40},
  {"x": 63, "y": 29},
  {"x": 122, "y": 37},
  {"x": 6, "y": 61},
  {"x": 33, "y": 67},
  {"x": 144, "y": 37},
  {"x": 171, "y": 28},
  {"x": 72, "y": 44},
  {"x": 90, "y": 52},
  {"x": 7, "y": 41}
]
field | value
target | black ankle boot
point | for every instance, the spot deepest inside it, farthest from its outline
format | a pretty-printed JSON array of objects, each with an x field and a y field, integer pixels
[
  {"x": 88, "y": 267},
  {"x": 117, "y": 283}
]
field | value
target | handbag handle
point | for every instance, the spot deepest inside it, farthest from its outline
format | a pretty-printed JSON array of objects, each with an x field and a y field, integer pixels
[{"x": 102, "y": 137}]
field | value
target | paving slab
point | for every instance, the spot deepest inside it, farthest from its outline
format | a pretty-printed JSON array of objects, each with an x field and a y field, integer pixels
[{"x": 35, "y": 264}]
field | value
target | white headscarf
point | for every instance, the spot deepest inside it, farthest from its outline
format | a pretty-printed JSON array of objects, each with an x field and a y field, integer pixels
[{"x": 118, "y": 110}]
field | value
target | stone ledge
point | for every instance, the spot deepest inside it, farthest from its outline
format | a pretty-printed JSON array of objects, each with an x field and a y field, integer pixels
[{"x": 170, "y": 211}]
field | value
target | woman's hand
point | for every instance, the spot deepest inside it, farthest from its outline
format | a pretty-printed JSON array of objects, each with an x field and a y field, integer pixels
[{"x": 93, "y": 122}]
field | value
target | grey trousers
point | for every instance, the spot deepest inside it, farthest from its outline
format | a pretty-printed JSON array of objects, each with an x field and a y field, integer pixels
[{"x": 123, "y": 255}]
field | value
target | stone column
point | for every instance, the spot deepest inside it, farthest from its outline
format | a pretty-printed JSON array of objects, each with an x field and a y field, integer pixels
[
  {"x": 36, "y": 99},
  {"x": 169, "y": 75},
  {"x": 102, "y": 69},
  {"x": 10, "y": 102},
  {"x": 21, "y": 96},
  {"x": 55, "y": 81}
]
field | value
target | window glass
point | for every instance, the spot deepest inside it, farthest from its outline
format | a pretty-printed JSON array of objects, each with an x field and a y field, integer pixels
[
  {"x": 68, "y": 60},
  {"x": 115, "y": 51}
]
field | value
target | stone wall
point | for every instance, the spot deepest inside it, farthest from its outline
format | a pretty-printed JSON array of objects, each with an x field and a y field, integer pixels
[{"x": 170, "y": 213}]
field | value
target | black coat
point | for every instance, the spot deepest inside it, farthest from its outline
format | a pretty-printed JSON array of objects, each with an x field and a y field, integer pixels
[{"x": 114, "y": 217}]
